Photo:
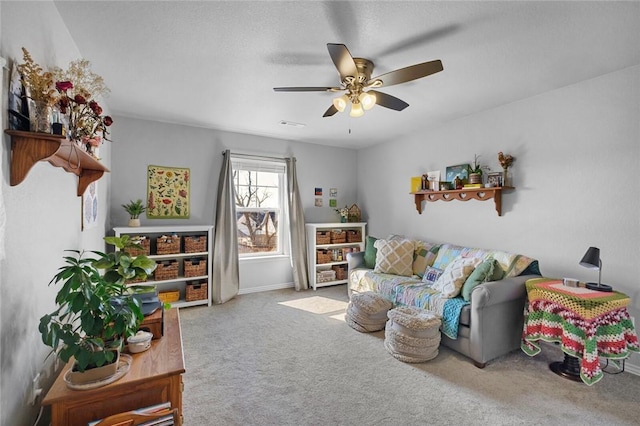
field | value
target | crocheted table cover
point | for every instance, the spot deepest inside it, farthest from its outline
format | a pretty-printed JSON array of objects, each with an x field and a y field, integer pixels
[{"x": 588, "y": 324}]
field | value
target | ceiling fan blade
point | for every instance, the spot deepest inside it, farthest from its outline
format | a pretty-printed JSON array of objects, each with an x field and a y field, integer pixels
[
  {"x": 410, "y": 73},
  {"x": 343, "y": 60},
  {"x": 332, "y": 110},
  {"x": 307, "y": 89},
  {"x": 389, "y": 101}
]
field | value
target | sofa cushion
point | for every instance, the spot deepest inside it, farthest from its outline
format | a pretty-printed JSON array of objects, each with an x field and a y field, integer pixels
[
  {"x": 455, "y": 274},
  {"x": 424, "y": 256},
  {"x": 489, "y": 270},
  {"x": 431, "y": 275},
  {"x": 394, "y": 257},
  {"x": 370, "y": 252}
]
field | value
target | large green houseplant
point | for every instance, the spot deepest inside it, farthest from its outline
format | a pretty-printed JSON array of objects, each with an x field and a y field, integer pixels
[{"x": 95, "y": 310}]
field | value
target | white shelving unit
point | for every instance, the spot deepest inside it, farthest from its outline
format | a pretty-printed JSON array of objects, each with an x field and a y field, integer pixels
[
  {"x": 336, "y": 251},
  {"x": 152, "y": 233}
]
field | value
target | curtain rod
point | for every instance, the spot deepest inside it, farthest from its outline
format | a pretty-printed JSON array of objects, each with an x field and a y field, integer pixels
[{"x": 254, "y": 156}]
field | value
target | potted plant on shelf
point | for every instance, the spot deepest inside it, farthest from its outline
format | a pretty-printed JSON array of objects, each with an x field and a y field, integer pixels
[
  {"x": 135, "y": 209},
  {"x": 475, "y": 171},
  {"x": 95, "y": 311}
]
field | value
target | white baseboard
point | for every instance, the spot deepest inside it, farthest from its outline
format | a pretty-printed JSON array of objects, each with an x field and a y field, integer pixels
[
  {"x": 633, "y": 369},
  {"x": 265, "y": 288}
]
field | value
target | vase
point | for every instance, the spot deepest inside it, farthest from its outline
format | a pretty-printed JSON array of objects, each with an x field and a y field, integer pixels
[
  {"x": 134, "y": 222},
  {"x": 506, "y": 178},
  {"x": 475, "y": 178},
  {"x": 40, "y": 117},
  {"x": 343, "y": 219}
]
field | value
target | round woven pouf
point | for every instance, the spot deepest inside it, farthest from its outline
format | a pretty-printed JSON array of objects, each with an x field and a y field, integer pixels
[
  {"x": 367, "y": 312},
  {"x": 412, "y": 334}
]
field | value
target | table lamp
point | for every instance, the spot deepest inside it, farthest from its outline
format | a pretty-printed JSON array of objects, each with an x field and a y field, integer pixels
[{"x": 591, "y": 260}]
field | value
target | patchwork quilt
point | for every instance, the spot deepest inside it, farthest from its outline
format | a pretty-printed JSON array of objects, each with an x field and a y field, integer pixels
[{"x": 410, "y": 291}]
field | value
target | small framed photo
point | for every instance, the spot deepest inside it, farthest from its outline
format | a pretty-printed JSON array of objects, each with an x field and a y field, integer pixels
[
  {"x": 461, "y": 171},
  {"x": 494, "y": 179}
]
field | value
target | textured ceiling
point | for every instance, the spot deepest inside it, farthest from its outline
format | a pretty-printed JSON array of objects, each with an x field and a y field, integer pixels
[{"x": 214, "y": 64}]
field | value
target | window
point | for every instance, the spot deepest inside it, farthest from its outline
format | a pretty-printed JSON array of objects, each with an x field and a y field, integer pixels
[{"x": 259, "y": 194}]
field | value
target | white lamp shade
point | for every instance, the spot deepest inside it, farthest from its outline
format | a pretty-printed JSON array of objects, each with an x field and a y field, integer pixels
[
  {"x": 341, "y": 102},
  {"x": 356, "y": 110},
  {"x": 368, "y": 100}
]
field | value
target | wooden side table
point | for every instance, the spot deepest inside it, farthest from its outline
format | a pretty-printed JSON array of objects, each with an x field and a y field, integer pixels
[
  {"x": 155, "y": 377},
  {"x": 588, "y": 324}
]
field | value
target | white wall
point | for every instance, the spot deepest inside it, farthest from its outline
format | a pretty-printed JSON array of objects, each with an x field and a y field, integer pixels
[
  {"x": 139, "y": 143},
  {"x": 42, "y": 220},
  {"x": 577, "y": 153}
]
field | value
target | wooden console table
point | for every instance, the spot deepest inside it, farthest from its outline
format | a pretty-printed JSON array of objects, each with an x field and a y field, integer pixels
[{"x": 155, "y": 377}]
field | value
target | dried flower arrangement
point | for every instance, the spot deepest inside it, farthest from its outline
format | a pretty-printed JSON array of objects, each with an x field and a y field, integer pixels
[
  {"x": 38, "y": 81},
  {"x": 505, "y": 160},
  {"x": 74, "y": 93}
]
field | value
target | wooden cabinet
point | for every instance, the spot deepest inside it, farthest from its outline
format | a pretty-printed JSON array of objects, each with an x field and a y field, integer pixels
[
  {"x": 155, "y": 377},
  {"x": 327, "y": 248},
  {"x": 28, "y": 148},
  {"x": 185, "y": 284}
]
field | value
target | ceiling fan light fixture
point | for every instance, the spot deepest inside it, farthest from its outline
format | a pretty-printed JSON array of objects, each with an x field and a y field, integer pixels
[
  {"x": 341, "y": 102},
  {"x": 368, "y": 100},
  {"x": 356, "y": 110}
]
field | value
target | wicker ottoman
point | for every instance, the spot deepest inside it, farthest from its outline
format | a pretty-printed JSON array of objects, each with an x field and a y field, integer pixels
[
  {"x": 367, "y": 312},
  {"x": 412, "y": 335}
]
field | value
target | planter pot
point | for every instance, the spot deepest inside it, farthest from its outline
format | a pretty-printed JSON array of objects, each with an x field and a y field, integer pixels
[
  {"x": 475, "y": 178},
  {"x": 134, "y": 222},
  {"x": 94, "y": 374}
]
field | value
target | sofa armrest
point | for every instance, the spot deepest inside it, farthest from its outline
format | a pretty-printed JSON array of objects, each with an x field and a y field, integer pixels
[
  {"x": 496, "y": 292},
  {"x": 355, "y": 260}
]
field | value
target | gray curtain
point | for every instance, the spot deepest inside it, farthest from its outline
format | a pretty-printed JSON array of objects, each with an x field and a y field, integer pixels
[
  {"x": 296, "y": 228},
  {"x": 225, "y": 276}
]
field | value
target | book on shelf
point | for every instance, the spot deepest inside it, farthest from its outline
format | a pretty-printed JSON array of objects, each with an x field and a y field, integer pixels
[{"x": 473, "y": 185}]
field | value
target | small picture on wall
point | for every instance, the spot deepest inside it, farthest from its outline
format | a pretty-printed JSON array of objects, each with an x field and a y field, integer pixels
[
  {"x": 319, "y": 191},
  {"x": 333, "y": 202},
  {"x": 333, "y": 192},
  {"x": 318, "y": 202}
]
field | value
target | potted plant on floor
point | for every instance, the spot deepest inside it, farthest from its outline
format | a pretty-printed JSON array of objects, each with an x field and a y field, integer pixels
[
  {"x": 95, "y": 311},
  {"x": 135, "y": 209}
]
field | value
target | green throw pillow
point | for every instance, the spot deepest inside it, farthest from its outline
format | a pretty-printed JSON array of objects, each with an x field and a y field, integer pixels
[
  {"x": 370, "y": 252},
  {"x": 489, "y": 270}
]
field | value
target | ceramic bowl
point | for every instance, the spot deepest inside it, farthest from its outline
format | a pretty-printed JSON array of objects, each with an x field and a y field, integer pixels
[{"x": 140, "y": 342}]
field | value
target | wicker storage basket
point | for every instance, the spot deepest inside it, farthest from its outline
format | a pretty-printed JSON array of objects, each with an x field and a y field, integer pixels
[
  {"x": 142, "y": 241},
  {"x": 195, "y": 267},
  {"x": 196, "y": 291},
  {"x": 135, "y": 280},
  {"x": 169, "y": 296},
  {"x": 338, "y": 236},
  {"x": 195, "y": 244},
  {"x": 323, "y": 256},
  {"x": 323, "y": 237},
  {"x": 168, "y": 245},
  {"x": 166, "y": 270},
  {"x": 341, "y": 272},
  {"x": 325, "y": 276},
  {"x": 354, "y": 236}
]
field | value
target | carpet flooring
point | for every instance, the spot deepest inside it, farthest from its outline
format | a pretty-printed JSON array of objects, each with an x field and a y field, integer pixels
[{"x": 288, "y": 358}]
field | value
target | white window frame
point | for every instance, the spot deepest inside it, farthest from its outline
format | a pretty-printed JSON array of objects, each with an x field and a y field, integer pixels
[{"x": 257, "y": 163}]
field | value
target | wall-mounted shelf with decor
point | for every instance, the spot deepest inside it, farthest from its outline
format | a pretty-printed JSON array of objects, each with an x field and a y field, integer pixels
[
  {"x": 465, "y": 194},
  {"x": 27, "y": 148}
]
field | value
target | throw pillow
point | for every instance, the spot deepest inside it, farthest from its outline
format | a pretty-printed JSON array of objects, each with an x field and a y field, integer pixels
[
  {"x": 431, "y": 275},
  {"x": 455, "y": 274},
  {"x": 489, "y": 270},
  {"x": 370, "y": 252},
  {"x": 424, "y": 256},
  {"x": 394, "y": 257}
]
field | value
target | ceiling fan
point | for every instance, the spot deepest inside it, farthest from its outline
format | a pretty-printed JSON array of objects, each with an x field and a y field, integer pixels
[{"x": 356, "y": 82}]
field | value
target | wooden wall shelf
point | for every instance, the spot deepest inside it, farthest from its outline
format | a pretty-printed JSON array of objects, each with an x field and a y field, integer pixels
[
  {"x": 27, "y": 148},
  {"x": 465, "y": 194}
]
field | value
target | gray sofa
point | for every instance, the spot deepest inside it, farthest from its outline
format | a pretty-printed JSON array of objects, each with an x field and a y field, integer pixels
[{"x": 488, "y": 325}]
